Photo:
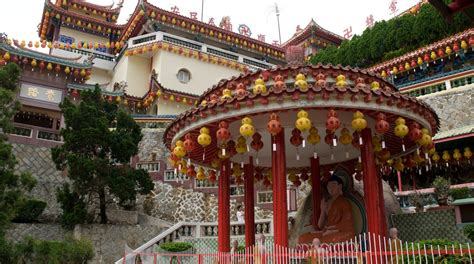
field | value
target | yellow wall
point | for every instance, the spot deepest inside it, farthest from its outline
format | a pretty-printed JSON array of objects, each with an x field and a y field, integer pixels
[
  {"x": 100, "y": 76},
  {"x": 203, "y": 74},
  {"x": 138, "y": 75},
  {"x": 166, "y": 107},
  {"x": 81, "y": 36}
]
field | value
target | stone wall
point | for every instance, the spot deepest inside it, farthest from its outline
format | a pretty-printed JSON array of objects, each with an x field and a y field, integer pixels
[
  {"x": 454, "y": 107},
  {"x": 37, "y": 161},
  {"x": 108, "y": 240}
]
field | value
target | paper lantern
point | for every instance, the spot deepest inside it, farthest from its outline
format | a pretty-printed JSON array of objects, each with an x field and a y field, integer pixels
[
  {"x": 259, "y": 86},
  {"x": 301, "y": 82},
  {"x": 332, "y": 122},
  {"x": 302, "y": 122},
  {"x": 381, "y": 125},
  {"x": 345, "y": 137},
  {"x": 247, "y": 129},
  {"x": 204, "y": 139},
  {"x": 467, "y": 153},
  {"x": 223, "y": 133},
  {"x": 274, "y": 125},
  {"x": 358, "y": 121}
]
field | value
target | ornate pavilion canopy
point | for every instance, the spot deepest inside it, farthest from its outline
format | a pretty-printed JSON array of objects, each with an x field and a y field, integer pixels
[{"x": 321, "y": 91}]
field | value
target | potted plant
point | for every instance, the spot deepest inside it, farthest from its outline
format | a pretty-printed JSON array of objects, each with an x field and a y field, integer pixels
[
  {"x": 175, "y": 247},
  {"x": 417, "y": 200},
  {"x": 441, "y": 188}
]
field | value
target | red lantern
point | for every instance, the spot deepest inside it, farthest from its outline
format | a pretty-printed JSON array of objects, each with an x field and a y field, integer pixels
[
  {"x": 297, "y": 182},
  {"x": 257, "y": 143},
  {"x": 381, "y": 125},
  {"x": 57, "y": 68},
  {"x": 266, "y": 182},
  {"x": 401, "y": 68},
  {"x": 330, "y": 138},
  {"x": 76, "y": 73},
  {"x": 42, "y": 65},
  {"x": 258, "y": 174},
  {"x": 440, "y": 53},
  {"x": 189, "y": 143},
  {"x": 415, "y": 132},
  {"x": 426, "y": 58},
  {"x": 296, "y": 138},
  {"x": 304, "y": 175},
  {"x": 332, "y": 123},
  {"x": 223, "y": 133},
  {"x": 274, "y": 125},
  {"x": 471, "y": 41},
  {"x": 240, "y": 92},
  {"x": 355, "y": 140},
  {"x": 413, "y": 64},
  {"x": 190, "y": 171},
  {"x": 279, "y": 83},
  {"x": 24, "y": 61},
  {"x": 3, "y": 62},
  {"x": 231, "y": 148},
  {"x": 14, "y": 59},
  {"x": 212, "y": 176},
  {"x": 75, "y": 93}
]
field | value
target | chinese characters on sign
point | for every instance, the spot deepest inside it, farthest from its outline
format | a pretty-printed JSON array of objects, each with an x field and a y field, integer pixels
[
  {"x": 393, "y": 7},
  {"x": 245, "y": 30},
  {"x": 41, "y": 94},
  {"x": 369, "y": 21}
]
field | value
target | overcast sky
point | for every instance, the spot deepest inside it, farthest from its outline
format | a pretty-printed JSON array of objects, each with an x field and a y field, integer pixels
[{"x": 20, "y": 18}]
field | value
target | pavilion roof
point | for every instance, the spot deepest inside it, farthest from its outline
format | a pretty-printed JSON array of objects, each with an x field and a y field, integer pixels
[
  {"x": 313, "y": 29},
  {"x": 413, "y": 55},
  {"x": 323, "y": 93},
  {"x": 145, "y": 11},
  {"x": 458, "y": 132},
  {"x": 104, "y": 8}
]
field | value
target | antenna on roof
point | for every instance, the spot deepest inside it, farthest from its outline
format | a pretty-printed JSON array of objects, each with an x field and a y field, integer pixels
[{"x": 277, "y": 12}]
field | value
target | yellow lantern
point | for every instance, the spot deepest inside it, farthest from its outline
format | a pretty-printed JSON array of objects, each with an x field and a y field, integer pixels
[
  {"x": 301, "y": 82},
  {"x": 398, "y": 165},
  {"x": 49, "y": 67},
  {"x": 419, "y": 61},
  {"x": 179, "y": 150},
  {"x": 457, "y": 154},
  {"x": 200, "y": 176},
  {"x": 390, "y": 162},
  {"x": 435, "y": 157},
  {"x": 215, "y": 163},
  {"x": 358, "y": 121},
  {"x": 463, "y": 45},
  {"x": 394, "y": 70},
  {"x": 247, "y": 129},
  {"x": 236, "y": 171},
  {"x": 375, "y": 85},
  {"x": 407, "y": 66},
  {"x": 83, "y": 72},
  {"x": 313, "y": 137},
  {"x": 34, "y": 63},
  {"x": 241, "y": 145},
  {"x": 302, "y": 122},
  {"x": 433, "y": 55},
  {"x": 341, "y": 80},
  {"x": 67, "y": 70},
  {"x": 446, "y": 157},
  {"x": 425, "y": 137},
  {"x": 292, "y": 176},
  {"x": 345, "y": 137},
  {"x": 467, "y": 153},
  {"x": 226, "y": 94},
  {"x": 383, "y": 74},
  {"x": 259, "y": 86},
  {"x": 6, "y": 56},
  {"x": 376, "y": 141},
  {"x": 204, "y": 139},
  {"x": 448, "y": 50},
  {"x": 400, "y": 130}
]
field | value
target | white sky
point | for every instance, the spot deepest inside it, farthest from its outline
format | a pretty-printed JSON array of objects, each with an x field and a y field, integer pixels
[{"x": 20, "y": 18}]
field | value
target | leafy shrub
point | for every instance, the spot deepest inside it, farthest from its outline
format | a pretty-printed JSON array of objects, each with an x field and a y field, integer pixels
[
  {"x": 469, "y": 231},
  {"x": 29, "y": 211},
  {"x": 441, "y": 186},
  {"x": 176, "y": 246},
  {"x": 459, "y": 193},
  {"x": 69, "y": 251},
  {"x": 442, "y": 243}
]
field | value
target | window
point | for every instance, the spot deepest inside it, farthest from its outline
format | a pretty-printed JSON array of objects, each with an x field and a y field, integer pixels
[
  {"x": 149, "y": 167},
  {"x": 66, "y": 39},
  {"x": 183, "y": 76}
]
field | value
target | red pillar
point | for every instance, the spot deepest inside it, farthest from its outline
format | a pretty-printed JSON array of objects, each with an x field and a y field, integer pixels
[
  {"x": 372, "y": 186},
  {"x": 249, "y": 204},
  {"x": 400, "y": 185},
  {"x": 223, "y": 216},
  {"x": 280, "y": 210},
  {"x": 316, "y": 190}
]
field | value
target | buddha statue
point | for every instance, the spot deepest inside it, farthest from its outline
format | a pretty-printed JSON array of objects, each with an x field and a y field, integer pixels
[{"x": 336, "y": 223}]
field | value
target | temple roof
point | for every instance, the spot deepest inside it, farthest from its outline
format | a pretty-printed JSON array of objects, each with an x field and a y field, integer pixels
[
  {"x": 413, "y": 55},
  {"x": 310, "y": 29},
  {"x": 24, "y": 52},
  {"x": 145, "y": 11},
  {"x": 52, "y": 10}
]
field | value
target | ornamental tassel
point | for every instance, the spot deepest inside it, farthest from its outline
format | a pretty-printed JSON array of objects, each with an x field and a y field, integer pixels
[
  {"x": 334, "y": 141},
  {"x": 360, "y": 140},
  {"x": 403, "y": 146},
  {"x": 304, "y": 143},
  {"x": 297, "y": 154}
]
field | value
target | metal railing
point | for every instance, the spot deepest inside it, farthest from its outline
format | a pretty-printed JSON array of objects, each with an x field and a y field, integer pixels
[
  {"x": 366, "y": 248},
  {"x": 187, "y": 230}
]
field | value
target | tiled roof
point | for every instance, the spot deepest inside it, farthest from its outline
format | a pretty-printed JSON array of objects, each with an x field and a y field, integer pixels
[
  {"x": 44, "y": 57},
  {"x": 454, "y": 132},
  {"x": 311, "y": 28}
]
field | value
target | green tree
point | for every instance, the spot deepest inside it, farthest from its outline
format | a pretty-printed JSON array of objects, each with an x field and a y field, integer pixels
[
  {"x": 99, "y": 140},
  {"x": 392, "y": 38},
  {"x": 12, "y": 185}
]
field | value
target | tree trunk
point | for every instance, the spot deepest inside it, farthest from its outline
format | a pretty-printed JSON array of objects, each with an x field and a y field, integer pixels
[{"x": 103, "y": 215}]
